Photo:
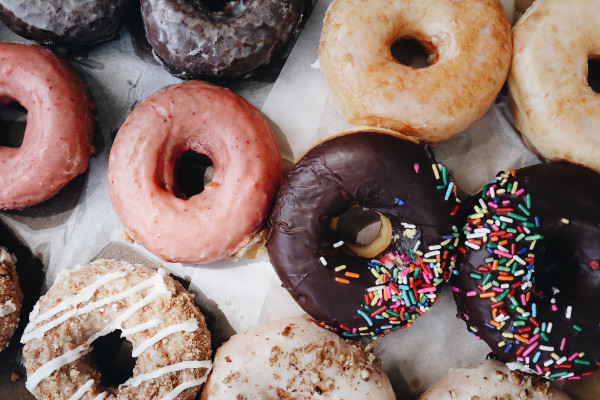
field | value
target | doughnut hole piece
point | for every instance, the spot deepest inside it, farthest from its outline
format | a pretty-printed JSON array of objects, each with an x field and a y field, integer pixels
[
  {"x": 468, "y": 48},
  {"x": 201, "y": 121}
]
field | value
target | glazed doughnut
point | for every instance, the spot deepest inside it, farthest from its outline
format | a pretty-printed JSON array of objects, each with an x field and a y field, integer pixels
[
  {"x": 65, "y": 22},
  {"x": 10, "y": 297},
  {"x": 293, "y": 358},
  {"x": 491, "y": 380},
  {"x": 469, "y": 47},
  {"x": 530, "y": 272},
  {"x": 553, "y": 106},
  {"x": 152, "y": 311},
  {"x": 57, "y": 141},
  {"x": 225, "y": 218},
  {"x": 192, "y": 40},
  {"x": 374, "y": 171}
]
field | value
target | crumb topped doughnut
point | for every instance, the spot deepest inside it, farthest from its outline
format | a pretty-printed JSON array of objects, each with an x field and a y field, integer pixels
[
  {"x": 469, "y": 47},
  {"x": 553, "y": 106},
  {"x": 491, "y": 380},
  {"x": 225, "y": 219},
  {"x": 378, "y": 174},
  {"x": 193, "y": 41},
  {"x": 293, "y": 358},
  {"x": 530, "y": 273},
  {"x": 57, "y": 142},
  {"x": 10, "y": 297},
  {"x": 151, "y": 310}
]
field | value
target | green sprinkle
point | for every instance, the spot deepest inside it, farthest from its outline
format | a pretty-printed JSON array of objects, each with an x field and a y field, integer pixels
[
  {"x": 529, "y": 224},
  {"x": 516, "y": 216},
  {"x": 544, "y": 336},
  {"x": 445, "y": 175},
  {"x": 525, "y": 210},
  {"x": 558, "y": 375},
  {"x": 486, "y": 279},
  {"x": 475, "y": 275},
  {"x": 520, "y": 237},
  {"x": 528, "y": 200},
  {"x": 503, "y": 295},
  {"x": 584, "y": 362},
  {"x": 577, "y": 328}
]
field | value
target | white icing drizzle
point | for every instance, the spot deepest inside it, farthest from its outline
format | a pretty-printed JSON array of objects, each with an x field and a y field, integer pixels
[
  {"x": 81, "y": 391},
  {"x": 101, "y": 396},
  {"x": 48, "y": 368},
  {"x": 137, "y": 380},
  {"x": 184, "y": 386},
  {"x": 191, "y": 325},
  {"x": 152, "y": 323},
  {"x": 7, "y": 308}
]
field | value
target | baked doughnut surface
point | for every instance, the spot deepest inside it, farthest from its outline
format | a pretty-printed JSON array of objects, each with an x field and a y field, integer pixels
[
  {"x": 293, "y": 358},
  {"x": 491, "y": 380},
  {"x": 226, "y": 216},
  {"x": 153, "y": 312},
  {"x": 194, "y": 41},
  {"x": 11, "y": 297},
  {"x": 469, "y": 46},
  {"x": 65, "y": 22},
  {"x": 57, "y": 141},
  {"x": 553, "y": 106},
  {"x": 531, "y": 272},
  {"x": 376, "y": 171}
]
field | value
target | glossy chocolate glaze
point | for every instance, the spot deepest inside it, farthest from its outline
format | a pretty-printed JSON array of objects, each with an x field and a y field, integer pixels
[
  {"x": 63, "y": 22},
  {"x": 193, "y": 41},
  {"x": 375, "y": 171},
  {"x": 565, "y": 197}
]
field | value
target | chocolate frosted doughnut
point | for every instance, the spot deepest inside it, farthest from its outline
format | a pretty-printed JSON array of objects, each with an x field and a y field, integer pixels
[
  {"x": 529, "y": 281},
  {"x": 377, "y": 171},
  {"x": 63, "y": 22},
  {"x": 192, "y": 40}
]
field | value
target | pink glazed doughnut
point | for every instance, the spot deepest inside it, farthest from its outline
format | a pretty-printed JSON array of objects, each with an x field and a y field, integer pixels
[
  {"x": 225, "y": 217},
  {"x": 57, "y": 141}
]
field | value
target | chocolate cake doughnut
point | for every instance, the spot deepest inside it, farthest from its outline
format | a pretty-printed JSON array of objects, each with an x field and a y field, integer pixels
[
  {"x": 374, "y": 171},
  {"x": 65, "y": 23},
  {"x": 218, "y": 39},
  {"x": 10, "y": 297},
  {"x": 530, "y": 276}
]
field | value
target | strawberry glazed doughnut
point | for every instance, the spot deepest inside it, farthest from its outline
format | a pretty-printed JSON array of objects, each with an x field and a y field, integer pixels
[
  {"x": 553, "y": 106},
  {"x": 469, "y": 47},
  {"x": 224, "y": 219},
  {"x": 57, "y": 141}
]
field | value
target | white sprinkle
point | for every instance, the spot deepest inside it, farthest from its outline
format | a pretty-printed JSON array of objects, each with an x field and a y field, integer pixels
[
  {"x": 435, "y": 247},
  {"x": 548, "y": 363},
  {"x": 519, "y": 260},
  {"x": 375, "y": 288},
  {"x": 323, "y": 260},
  {"x": 569, "y": 310},
  {"x": 546, "y": 348},
  {"x": 338, "y": 244},
  {"x": 506, "y": 219},
  {"x": 549, "y": 327},
  {"x": 492, "y": 192},
  {"x": 408, "y": 226},
  {"x": 561, "y": 360},
  {"x": 472, "y": 245},
  {"x": 482, "y": 203},
  {"x": 519, "y": 272},
  {"x": 417, "y": 245},
  {"x": 431, "y": 254}
]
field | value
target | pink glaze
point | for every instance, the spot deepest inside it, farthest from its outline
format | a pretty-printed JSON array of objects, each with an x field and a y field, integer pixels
[
  {"x": 209, "y": 120},
  {"x": 57, "y": 141}
]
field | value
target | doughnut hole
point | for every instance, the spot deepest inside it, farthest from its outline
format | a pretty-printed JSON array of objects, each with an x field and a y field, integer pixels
[
  {"x": 111, "y": 354},
  {"x": 593, "y": 77},
  {"x": 13, "y": 120},
  {"x": 414, "y": 53},
  {"x": 192, "y": 172}
]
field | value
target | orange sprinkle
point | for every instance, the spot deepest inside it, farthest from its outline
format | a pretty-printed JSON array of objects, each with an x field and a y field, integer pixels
[
  {"x": 495, "y": 265},
  {"x": 527, "y": 296},
  {"x": 342, "y": 280},
  {"x": 503, "y": 242},
  {"x": 496, "y": 324},
  {"x": 352, "y": 274},
  {"x": 521, "y": 339},
  {"x": 477, "y": 221},
  {"x": 506, "y": 278},
  {"x": 494, "y": 238},
  {"x": 487, "y": 294}
]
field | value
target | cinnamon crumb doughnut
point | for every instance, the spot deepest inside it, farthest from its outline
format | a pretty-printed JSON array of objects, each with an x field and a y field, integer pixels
[
  {"x": 10, "y": 297},
  {"x": 295, "y": 358},
  {"x": 152, "y": 311}
]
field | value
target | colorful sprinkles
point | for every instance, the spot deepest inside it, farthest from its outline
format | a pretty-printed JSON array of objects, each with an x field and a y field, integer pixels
[{"x": 502, "y": 223}]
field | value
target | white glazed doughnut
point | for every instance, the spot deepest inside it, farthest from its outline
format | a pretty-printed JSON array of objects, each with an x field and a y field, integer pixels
[
  {"x": 469, "y": 46},
  {"x": 293, "y": 358},
  {"x": 553, "y": 106},
  {"x": 491, "y": 380}
]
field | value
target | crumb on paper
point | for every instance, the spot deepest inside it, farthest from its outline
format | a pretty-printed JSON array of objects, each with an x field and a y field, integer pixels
[
  {"x": 126, "y": 238},
  {"x": 316, "y": 64},
  {"x": 15, "y": 376}
]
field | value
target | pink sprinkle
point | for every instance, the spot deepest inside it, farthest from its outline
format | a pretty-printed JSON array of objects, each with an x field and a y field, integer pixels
[
  {"x": 523, "y": 299},
  {"x": 472, "y": 293},
  {"x": 529, "y": 349},
  {"x": 520, "y": 359},
  {"x": 354, "y": 330},
  {"x": 456, "y": 290},
  {"x": 427, "y": 290},
  {"x": 554, "y": 308},
  {"x": 492, "y": 204},
  {"x": 534, "y": 338},
  {"x": 380, "y": 302},
  {"x": 388, "y": 291},
  {"x": 505, "y": 202},
  {"x": 497, "y": 289},
  {"x": 405, "y": 271},
  {"x": 416, "y": 166},
  {"x": 426, "y": 277},
  {"x": 468, "y": 228},
  {"x": 574, "y": 356},
  {"x": 495, "y": 228},
  {"x": 520, "y": 192},
  {"x": 574, "y": 377},
  {"x": 562, "y": 343},
  {"x": 539, "y": 370},
  {"x": 502, "y": 253}
]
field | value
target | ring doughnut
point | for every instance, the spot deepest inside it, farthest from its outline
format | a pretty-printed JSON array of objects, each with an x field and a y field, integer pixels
[
  {"x": 293, "y": 358},
  {"x": 531, "y": 269},
  {"x": 194, "y": 41},
  {"x": 469, "y": 47},
  {"x": 372, "y": 171},
  {"x": 10, "y": 297},
  {"x": 247, "y": 170},
  {"x": 63, "y": 22},
  {"x": 57, "y": 141},
  {"x": 491, "y": 380},
  {"x": 553, "y": 106},
  {"x": 152, "y": 311}
]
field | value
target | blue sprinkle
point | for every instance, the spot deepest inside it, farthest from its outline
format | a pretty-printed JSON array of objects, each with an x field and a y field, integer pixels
[
  {"x": 373, "y": 264},
  {"x": 533, "y": 310},
  {"x": 449, "y": 191},
  {"x": 448, "y": 237},
  {"x": 536, "y": 357},
  {"x": 543, "y": 327},
  {"x": 366, "y": 317},
  {"x": 379, "y": 316},
  {"x": 489, "y": 325},
  {"x": 377, "y": 330},
  {"x": 537, "y": 221},
  {"x": 400, "y": 202},
  {"x": 512, "y": 328},
  {"x": 491, "y": 251},
  {"x": 455, "y": 272},
  {"x": 508, "y": 348},
  {"x": 387, "y": 327},
  {"x": 406, "y": 298},
  {"x": 403, "y": 287},
  {"x": 523, "y": 250}
]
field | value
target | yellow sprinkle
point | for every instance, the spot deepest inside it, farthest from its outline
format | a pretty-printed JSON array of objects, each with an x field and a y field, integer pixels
[
  {"x": 507, "y": 335},
  {"x": 340, "y": 268},
  {"x": 385, "y": 315},
  {"x": 409, "y": 233},
  {"x": 395, "y": 322},
  {"x": 475, "y": 216},
  {"x": 385, "y": 271},
  {"x": 363, "y": 328},
  {"x": 435, "y": 171},
  {"x": 419, "y": 252},
  {"x": 445, "y": 242},
  {"x": 478, "y": 210},
  {"x": 520, "y": 310},
  {"x": 487, "y": 286},
  {"x": 472, "y": 328},
  {"x": 429, "y": 260},
  {"x": 555, "y": 356},
  {"x": 514, "y": 188},
  {"x": 532, "y": 245},
  {"x": 456, "y": 242},
  {"x": 502, "y": 344},
  {"x": 509, "y": 263},
  {"x": 582, "y": 354},
  {"x": 500, "y": 191},
  {"x": 564, "y": 221},
  {"x": 374, "y": 271}
]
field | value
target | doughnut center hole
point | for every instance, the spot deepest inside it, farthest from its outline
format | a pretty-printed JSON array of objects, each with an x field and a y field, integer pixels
[
  {"x": 193, "y": 171},
  {"x": 594, "y": 74},
  {"x": 13, "y": 120},
  {"x": 112, "y": 356},
  {"x": 412, "y": 53}
]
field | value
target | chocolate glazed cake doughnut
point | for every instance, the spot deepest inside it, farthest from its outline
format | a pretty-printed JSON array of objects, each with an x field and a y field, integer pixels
[
  {"x": 218, "y": 39},
  {"x": 349, "y": 176},
  {"x": 65, "y": 22},
  {"x": 529, "y": 281}
]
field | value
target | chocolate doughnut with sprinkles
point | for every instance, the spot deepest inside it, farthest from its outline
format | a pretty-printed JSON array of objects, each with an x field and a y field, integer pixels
[
  {"x": 528, "y": 284},
  {"x": 378, "y": 276}
]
